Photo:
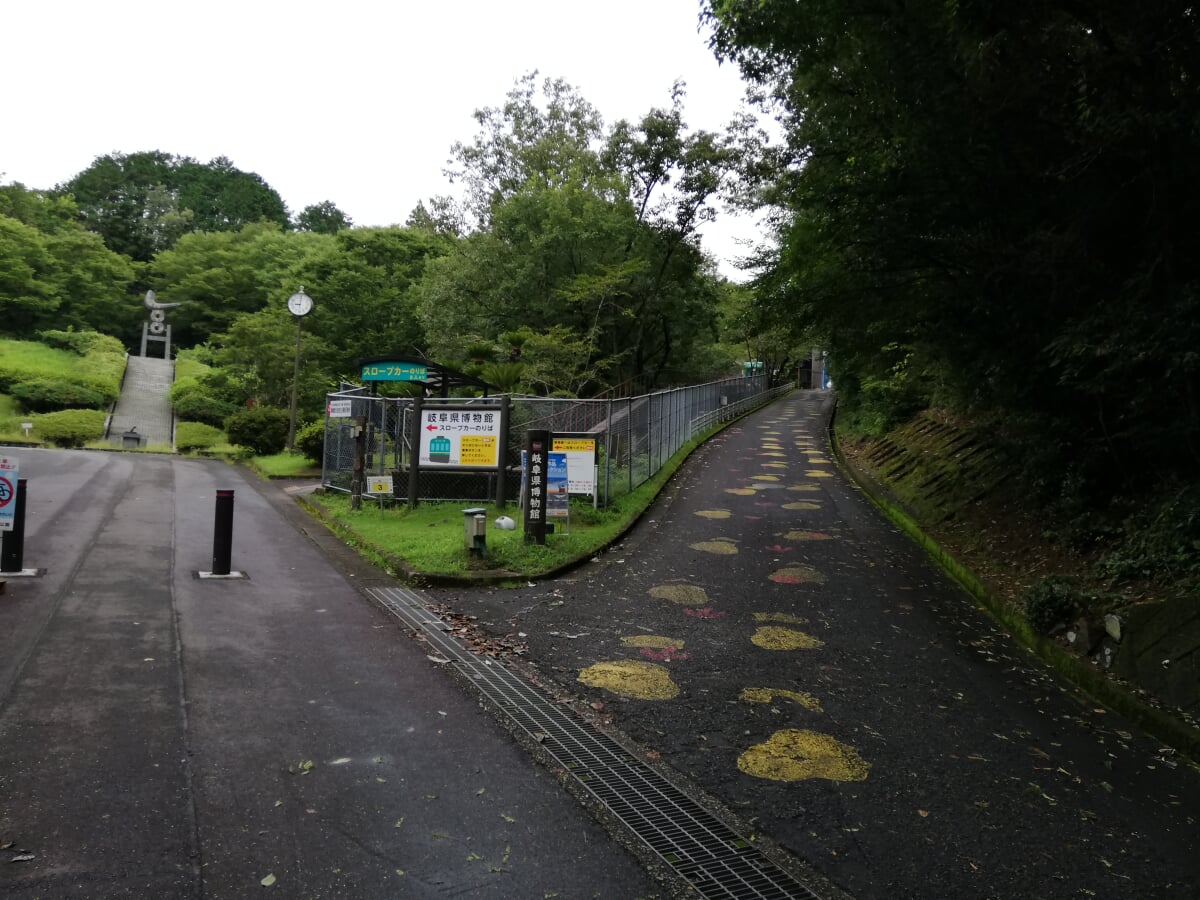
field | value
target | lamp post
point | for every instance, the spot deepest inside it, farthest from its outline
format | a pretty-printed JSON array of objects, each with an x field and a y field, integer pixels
[{"x": 299, "y": 305}]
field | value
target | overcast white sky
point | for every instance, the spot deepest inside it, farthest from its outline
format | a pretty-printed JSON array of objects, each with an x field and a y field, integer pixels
[{"x": 354, "y": 101}]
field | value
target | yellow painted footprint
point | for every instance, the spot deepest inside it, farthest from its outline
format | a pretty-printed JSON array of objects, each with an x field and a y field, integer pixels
[
  {"x": 796, "y": 755},
  {"x": 682, "y": 594},
  {"x": 769, "y": 695},
  {"x": 631, "y": 678},
  {"x": 717, "y": 547},
  {"x": 776, "y": 637}
]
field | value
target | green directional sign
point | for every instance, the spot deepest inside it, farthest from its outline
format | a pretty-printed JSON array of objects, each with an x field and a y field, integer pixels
[{"x": 394, "y": 371}]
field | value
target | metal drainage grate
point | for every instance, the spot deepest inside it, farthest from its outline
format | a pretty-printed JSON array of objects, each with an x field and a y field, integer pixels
[{"x": 704, "y": 851}]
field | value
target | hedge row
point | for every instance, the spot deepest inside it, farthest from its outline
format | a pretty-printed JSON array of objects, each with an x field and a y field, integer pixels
[
  {"x": 194, "y": 402},
  {"x": 54, "y": 393},
  {"x": 71, "y": 427}
]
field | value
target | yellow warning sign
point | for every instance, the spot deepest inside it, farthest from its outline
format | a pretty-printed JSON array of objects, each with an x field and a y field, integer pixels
[
  {"x": 478, "y": 450},
  {"x": 573, "y": 445}
]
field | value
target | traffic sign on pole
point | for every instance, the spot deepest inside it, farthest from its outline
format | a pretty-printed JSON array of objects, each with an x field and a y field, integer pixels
[{"x": 8, "y": 493}]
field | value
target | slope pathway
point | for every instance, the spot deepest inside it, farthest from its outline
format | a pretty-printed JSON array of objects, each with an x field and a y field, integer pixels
[
  {"x": 143, "y": 404},
  {"x": 768, "y": 636}
]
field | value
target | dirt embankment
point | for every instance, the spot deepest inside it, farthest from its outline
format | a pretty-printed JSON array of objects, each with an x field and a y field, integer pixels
[{"x": 952, "y": 483}]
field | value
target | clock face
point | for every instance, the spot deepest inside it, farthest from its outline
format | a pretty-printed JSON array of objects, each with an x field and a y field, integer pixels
[{"x": 300, "y": 304}]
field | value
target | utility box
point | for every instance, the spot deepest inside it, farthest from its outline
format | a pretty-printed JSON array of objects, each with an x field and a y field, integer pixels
[{"x": 475, "y": 530}]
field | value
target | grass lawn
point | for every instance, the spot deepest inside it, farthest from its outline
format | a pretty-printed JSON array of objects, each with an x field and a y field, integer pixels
[
  {"x": 429, "y": 539},
  {"x": 285, "y": 465}
]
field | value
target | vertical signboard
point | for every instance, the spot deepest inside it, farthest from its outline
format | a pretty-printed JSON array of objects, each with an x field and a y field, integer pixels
[{"x": 8, "y": 493}]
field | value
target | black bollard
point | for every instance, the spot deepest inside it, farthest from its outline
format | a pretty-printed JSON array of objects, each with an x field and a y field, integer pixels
[
  {"x": 12, "y": 543},
  {"x": 223, "y": 533}
]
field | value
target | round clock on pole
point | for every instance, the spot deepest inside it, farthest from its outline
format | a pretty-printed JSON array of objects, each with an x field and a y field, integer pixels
[{"x": 299, "y": 304}]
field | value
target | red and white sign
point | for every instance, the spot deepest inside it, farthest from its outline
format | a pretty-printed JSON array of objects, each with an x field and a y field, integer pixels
[{"x": 8, "y": 493}]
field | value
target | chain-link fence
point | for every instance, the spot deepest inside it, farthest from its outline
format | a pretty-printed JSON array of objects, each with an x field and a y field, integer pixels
[{"x": 635, "y": 436}]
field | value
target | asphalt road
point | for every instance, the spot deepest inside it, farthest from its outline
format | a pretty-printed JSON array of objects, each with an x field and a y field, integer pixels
[
  {"x": 165, "y": 737},
  {"x": 763, "y": 633},
  {"x": 770, "y": 637}
]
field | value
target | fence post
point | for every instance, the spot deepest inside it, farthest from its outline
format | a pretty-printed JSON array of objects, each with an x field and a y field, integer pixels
[
  {"x": 414, "y": 453},
  {"x": 502, "y": 453},
  {"x": 608, "y": 453},
  {"x": 360, "y": 454}
]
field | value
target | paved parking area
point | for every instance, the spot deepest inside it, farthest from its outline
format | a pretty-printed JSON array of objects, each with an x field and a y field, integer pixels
[{"x": 167, "y": 737}]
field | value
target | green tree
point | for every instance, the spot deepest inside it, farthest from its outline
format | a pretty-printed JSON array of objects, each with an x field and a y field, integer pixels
[
  {"x": 141, "y": 203},
  {"x": 323, "y": 218},
  {"x": 53, "y": 274},
  {"x": 221, "y": 275},
  {"x": 361, "y": 283},
  {"x": 997, "y": 202},
  {"x": 256, "y": 356},
  {"x": 581, "y": 229},
  {"x": 26, "y": 287}
]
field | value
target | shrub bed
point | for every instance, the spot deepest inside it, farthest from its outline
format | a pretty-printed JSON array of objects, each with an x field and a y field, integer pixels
[
  {"x": 192, "y": 436},
  {"x": 53, "y": 393},
  {"x": 71, "y": 427}
]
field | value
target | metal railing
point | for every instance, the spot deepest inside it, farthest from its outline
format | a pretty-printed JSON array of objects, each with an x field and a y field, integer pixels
[{"x": 636, "y": 436}]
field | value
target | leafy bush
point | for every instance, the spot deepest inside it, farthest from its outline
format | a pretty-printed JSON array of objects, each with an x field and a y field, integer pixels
[
  {"x": 53, "y": 393},
  {"x": 82, "y": 342},
  {"x": 310, "y": 440},
  {"x": 193, "y": 402},
  {"x": 1051, "y": 602},
  {"x": 262, "y": 429},
  {"x": 1158, "y": 539},
  {"x": 71, "y": 427},
  {"x": 191, "y": 436}
]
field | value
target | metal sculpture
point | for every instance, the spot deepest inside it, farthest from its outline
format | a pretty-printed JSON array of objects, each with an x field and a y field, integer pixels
[{"x": 156, "y": 328}]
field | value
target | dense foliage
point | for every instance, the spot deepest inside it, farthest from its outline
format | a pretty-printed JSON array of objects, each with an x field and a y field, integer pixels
[
  {"x": 141, "y": 203},
  {"x": 54, "y": 273},
  {"x": 572, "y": 265},
  {"x": 586, "y": 239},
  {"x": 263, "y": 429},
  {"x": 992, "y": 207}
]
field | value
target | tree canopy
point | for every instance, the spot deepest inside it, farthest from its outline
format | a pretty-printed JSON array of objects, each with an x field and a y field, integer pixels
[
  {"x": 142, "y": 203},
  {"x": 583, "y": 232},
  {"x": 992, "y": 207}
]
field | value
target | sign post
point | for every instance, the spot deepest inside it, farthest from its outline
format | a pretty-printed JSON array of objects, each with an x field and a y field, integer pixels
[
  {"x": 299, "y": 305},
  {"x": 9, "y": 492},
  {"x": 12, "y": 542}
]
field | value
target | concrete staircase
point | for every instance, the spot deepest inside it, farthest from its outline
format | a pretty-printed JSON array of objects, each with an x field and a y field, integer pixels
[{"x": 143, "y": 404}]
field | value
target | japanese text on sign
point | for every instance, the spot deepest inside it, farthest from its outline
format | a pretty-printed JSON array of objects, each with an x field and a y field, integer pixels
[
  {"x": 581, "y": 462},
  {"x": 394, "y": 371},
  {"x": 460, "y": 438},
  {"x": 8, "y": 493}
]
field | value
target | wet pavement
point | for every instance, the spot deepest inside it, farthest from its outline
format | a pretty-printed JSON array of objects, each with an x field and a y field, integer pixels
[
  {"x": 767, "y": 635},
  {"x": 763, "y": 638},
  {"x": 167, "y": 737}
]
